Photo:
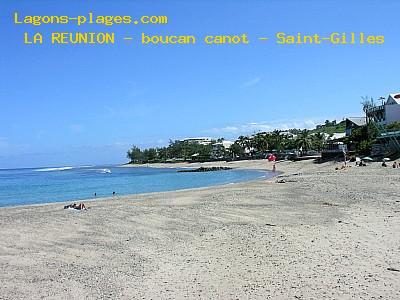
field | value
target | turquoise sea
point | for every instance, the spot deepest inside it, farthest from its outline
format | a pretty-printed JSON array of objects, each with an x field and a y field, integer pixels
[{"x": 45, "y": 185}]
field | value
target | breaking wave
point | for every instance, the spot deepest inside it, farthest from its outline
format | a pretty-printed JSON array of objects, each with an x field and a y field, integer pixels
[{"x": 54, "y": 169}]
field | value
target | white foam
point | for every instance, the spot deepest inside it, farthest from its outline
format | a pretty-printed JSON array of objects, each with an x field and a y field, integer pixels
[{"x": 54, "y": 169}]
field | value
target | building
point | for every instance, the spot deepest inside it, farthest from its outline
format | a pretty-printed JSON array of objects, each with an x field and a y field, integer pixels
[
  {"x": 336, "y": 136},
  {"x": 392, "y": 109},
  {"x": 353, "y": 123},
  {"x": 198, "y": 140},
  {"x": 335, "y": 146},
  {"x": 388, "y": 145},
  {"x": 219, "y": 148},
  {"x": 387, "y": 113}
]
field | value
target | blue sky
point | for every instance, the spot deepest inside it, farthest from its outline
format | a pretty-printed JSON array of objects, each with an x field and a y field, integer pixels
[{"x": 73, "y": 105}]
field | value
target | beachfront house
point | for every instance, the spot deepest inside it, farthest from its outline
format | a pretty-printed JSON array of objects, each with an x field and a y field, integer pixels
[
  {"x": 354, "y": 123},
  {"x": 387, "y": 113},
  {"x": 335, "y": 146},
  {"x": 388, "y": 143}
]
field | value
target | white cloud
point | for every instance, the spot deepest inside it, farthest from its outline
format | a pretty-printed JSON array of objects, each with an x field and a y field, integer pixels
[
  {"x": 252, "y": 82},
  {"x": 253, "y": 127}
]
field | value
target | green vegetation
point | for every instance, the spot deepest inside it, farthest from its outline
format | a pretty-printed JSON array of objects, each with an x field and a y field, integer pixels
[
  {"x": 245, "y": 147},
  {"x": 393, "y": 127},
  {"x": 330, "y": 127},
  {"x": 261, "y": 144},
  {"x": 175, "y": 151},
  {"x": 363, "y": 138}
]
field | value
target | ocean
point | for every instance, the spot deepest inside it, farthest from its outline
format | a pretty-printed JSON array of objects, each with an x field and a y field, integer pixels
[{"x": 47, "y": 185}]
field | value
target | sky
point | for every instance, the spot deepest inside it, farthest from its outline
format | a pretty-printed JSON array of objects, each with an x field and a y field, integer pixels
[{"x": 87, "y": 104}]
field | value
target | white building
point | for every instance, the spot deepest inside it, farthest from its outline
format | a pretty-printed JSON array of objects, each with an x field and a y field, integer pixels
[
  {"x": 388, "y": 112},
  {"x": 218, "y": 149},
  {"x": 336, "y": 136},
  {"x": 392, "y": 109},
  {"x": 198, "y": 140}
]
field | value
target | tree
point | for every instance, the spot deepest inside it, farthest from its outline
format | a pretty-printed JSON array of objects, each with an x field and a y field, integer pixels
[
  {"x": 277, "y": 140},
  {"x": 304, "y": 140},
  {"x": 162, "y": 153},
  {"x": 367, "y": 103},
  {"x": 318, "y": 141},
  {"x": 261, "y": 142},
  {"x": 364, "y": 137},
  {"x": 245, "y": 142},
  {"x": 236, "y": 150},
  {"x": 134, "y": 154}
]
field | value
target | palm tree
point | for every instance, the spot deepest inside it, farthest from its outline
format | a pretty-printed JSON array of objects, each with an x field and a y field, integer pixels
[
  {"x": 304, "y": 140},
  {"x": 277, "y": 139},
  {"x": 261, "y": 142},
  {"x": 241, "y": 141},
  {"x": 245, "y": 142},
  {"x": 319, "y": 140}
]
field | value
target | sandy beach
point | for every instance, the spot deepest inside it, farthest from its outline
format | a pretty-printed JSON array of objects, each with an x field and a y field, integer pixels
[{"x": 320, "y": 233}]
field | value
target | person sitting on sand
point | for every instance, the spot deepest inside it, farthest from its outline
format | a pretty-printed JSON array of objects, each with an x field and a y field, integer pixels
[{"x": 80, "y": 206}]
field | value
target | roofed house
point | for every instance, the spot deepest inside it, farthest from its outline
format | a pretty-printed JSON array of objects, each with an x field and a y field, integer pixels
[
  {"x": 387, "y": 113},
  {"x": 392, "y": 109},
  {"x": 335, "y": 147},
  {"x": 353, "y": 123}
]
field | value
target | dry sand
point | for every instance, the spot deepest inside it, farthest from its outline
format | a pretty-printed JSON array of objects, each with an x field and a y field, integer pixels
[{"x": 323, "y": 234}]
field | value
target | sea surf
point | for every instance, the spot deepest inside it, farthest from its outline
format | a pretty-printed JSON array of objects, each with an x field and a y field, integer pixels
[{"x": 68, "y": 183}]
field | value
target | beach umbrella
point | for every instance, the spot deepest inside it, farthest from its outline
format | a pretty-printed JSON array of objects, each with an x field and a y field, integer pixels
[
  {"x": 367, "y": 158},
  {"x": 386, "y": 159}
]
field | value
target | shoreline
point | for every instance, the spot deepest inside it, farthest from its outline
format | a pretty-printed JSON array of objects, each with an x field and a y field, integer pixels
[
  {"x": 323, "y": 233},
  {"x": 121, "y": 197},
  {"x": 158, "y": 165}
]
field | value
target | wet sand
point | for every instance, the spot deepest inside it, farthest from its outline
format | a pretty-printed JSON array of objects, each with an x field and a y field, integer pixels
[{"x": 321, "y": 233}]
